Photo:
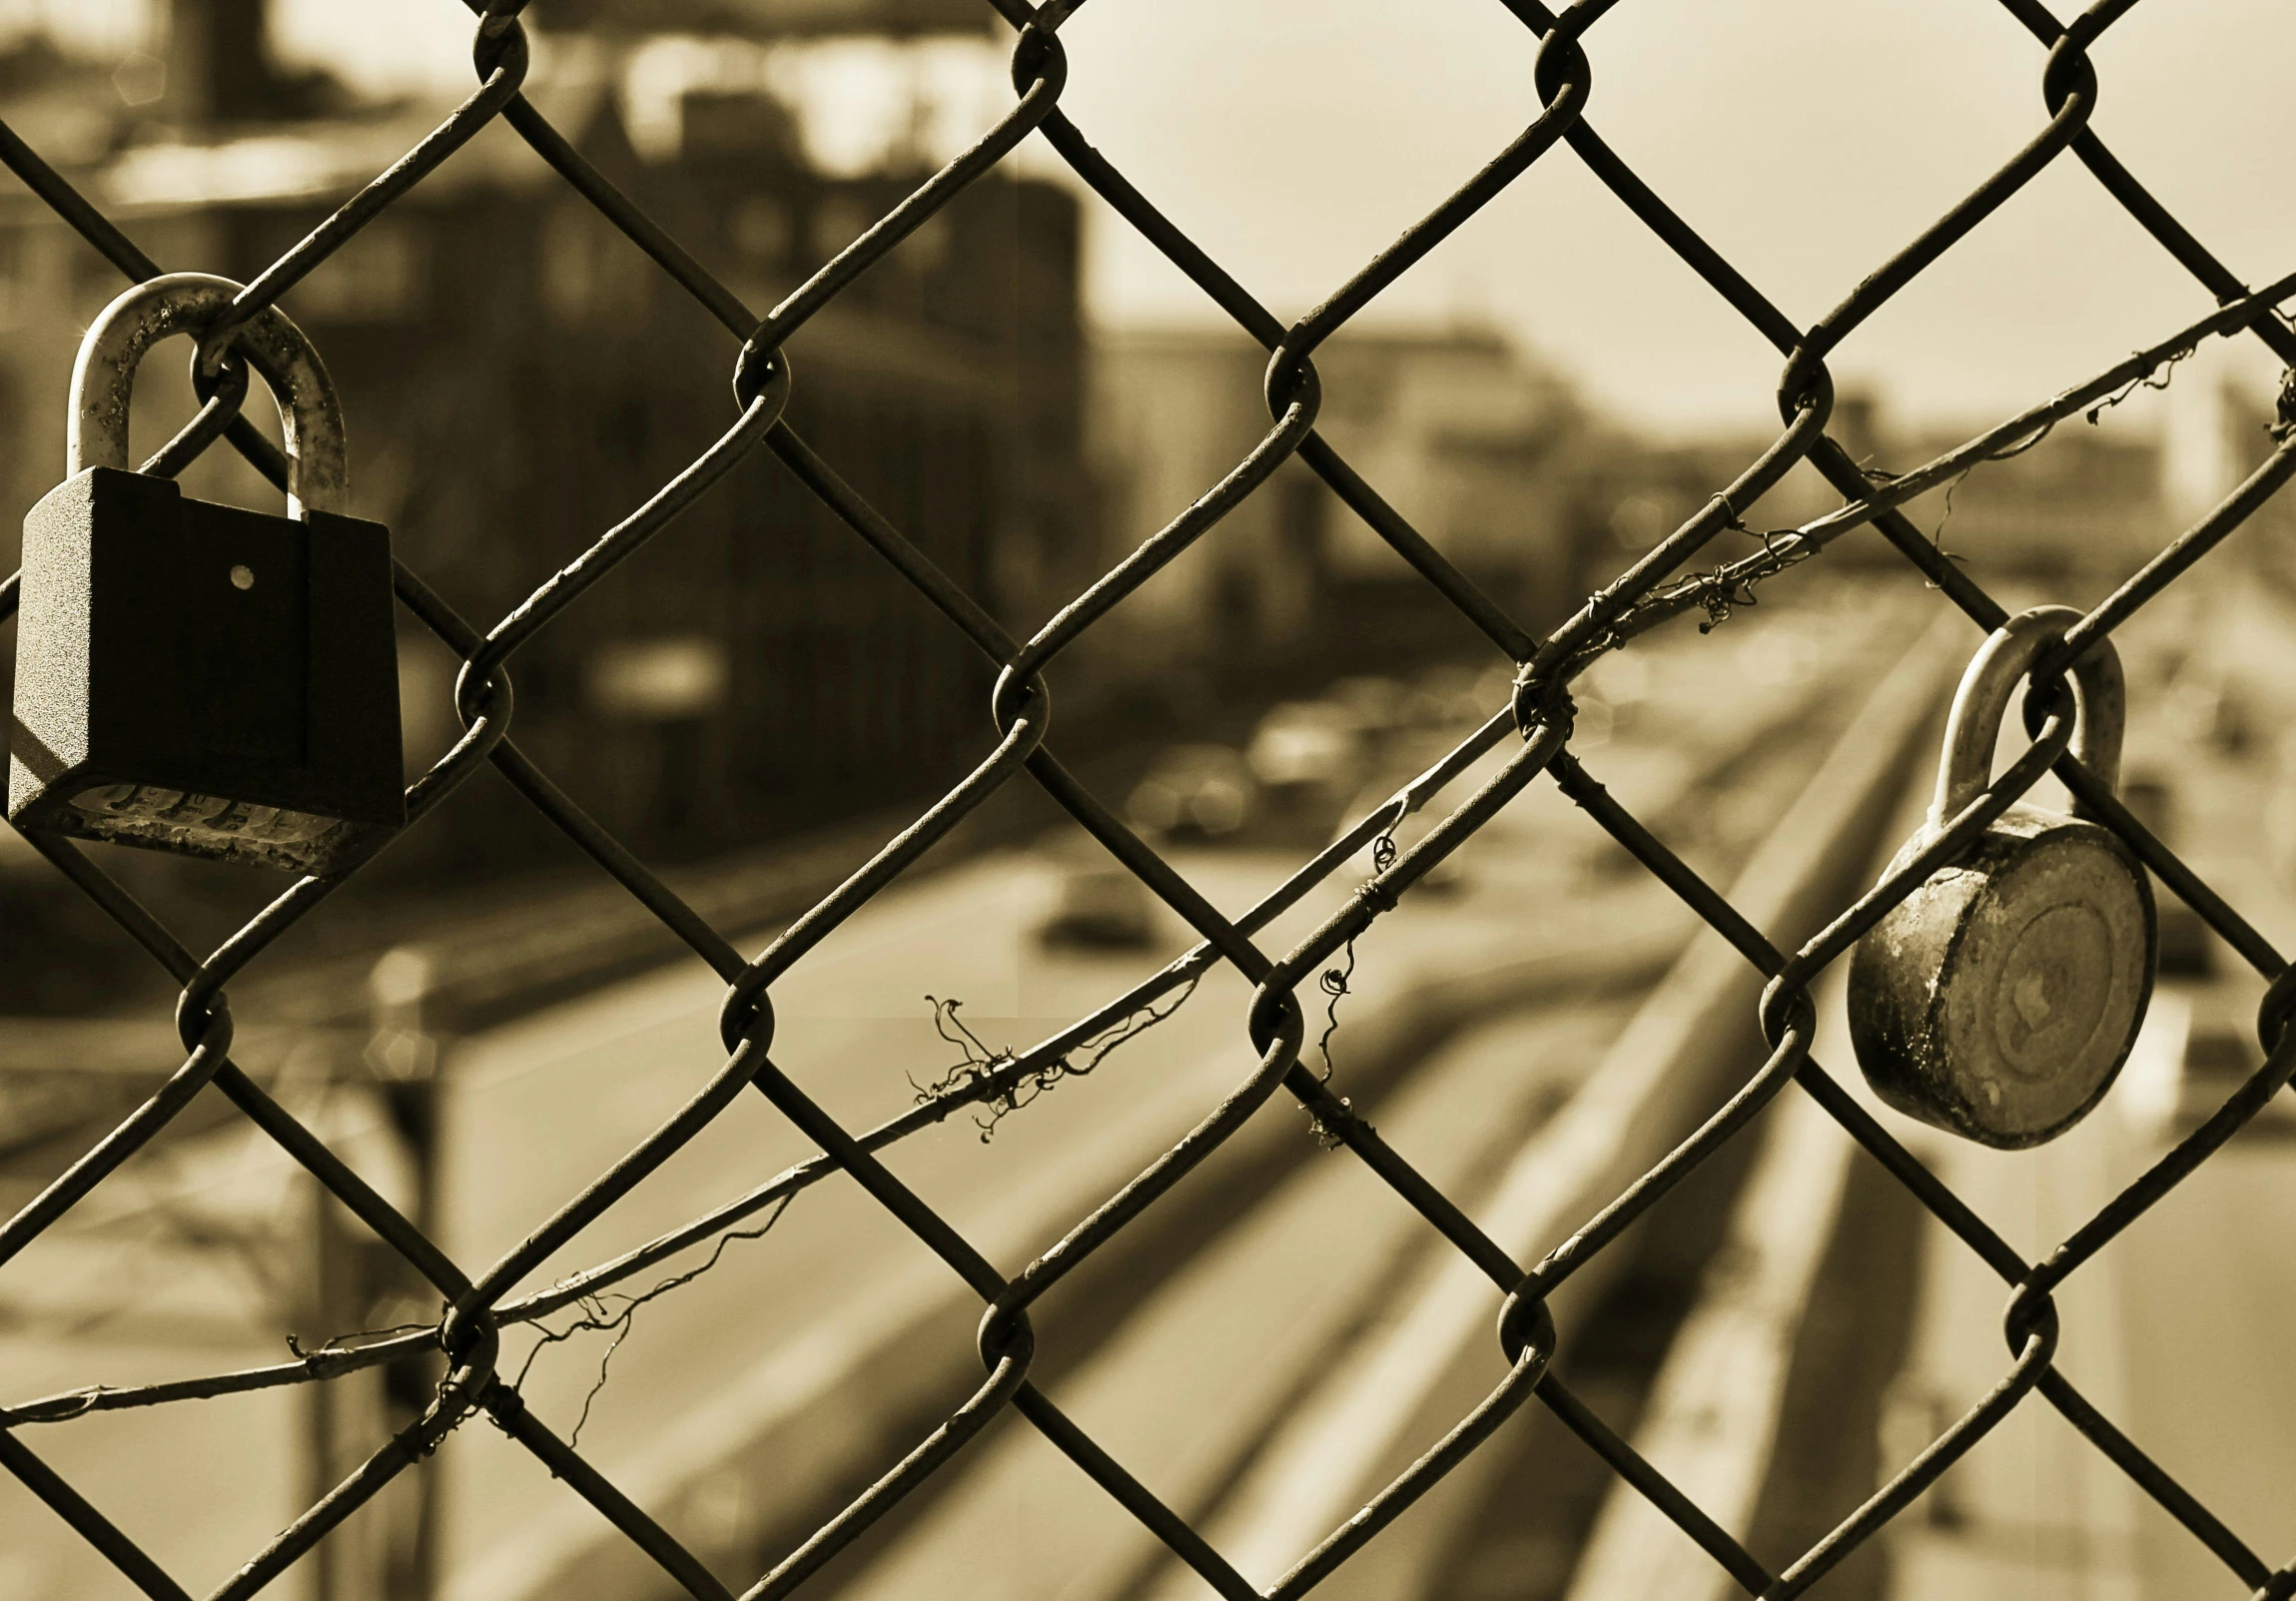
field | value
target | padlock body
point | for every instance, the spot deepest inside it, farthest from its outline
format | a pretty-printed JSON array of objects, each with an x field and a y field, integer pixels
[
  {"x": 1999, "y": 1000},
  {"x": 204, "y": 680}
]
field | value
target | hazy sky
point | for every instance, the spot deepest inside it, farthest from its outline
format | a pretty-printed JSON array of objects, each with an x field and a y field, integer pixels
[{"x": 1808, "y": 139}]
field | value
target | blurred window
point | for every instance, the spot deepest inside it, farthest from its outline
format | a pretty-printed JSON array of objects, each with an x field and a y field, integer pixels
[
  {"x": 381, "y": 275},
  {"x": 590, "y": 274},
  {"x": 762, "y": 230},
  {"x": 19, "y": 288},
  {"x": 96, "y": 283},
  {"x": 658, "y": 681},
  {"x": 928, "y": 250},
  {"x": 1301, "y": 518},
  {"x": 838, "y": 221}
]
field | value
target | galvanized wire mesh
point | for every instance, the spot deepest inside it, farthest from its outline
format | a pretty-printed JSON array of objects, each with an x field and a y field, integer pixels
[{"x": 1538, "y": 722}]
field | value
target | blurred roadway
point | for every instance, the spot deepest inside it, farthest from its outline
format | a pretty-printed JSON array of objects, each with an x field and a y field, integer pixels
[
  {"x": 1280, "y": 1308},
  {"x": 2177, "y": 1332},
  {"x": 851, "y": 1006},
  {"x": 840, "y": 1303}
]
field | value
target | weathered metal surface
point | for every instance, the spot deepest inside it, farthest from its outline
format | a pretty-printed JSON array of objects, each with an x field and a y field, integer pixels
[
  {"x": 199, "y": 678},
  {"x": 197, "y": 303},
  {"x": 2001, "y": 996}
]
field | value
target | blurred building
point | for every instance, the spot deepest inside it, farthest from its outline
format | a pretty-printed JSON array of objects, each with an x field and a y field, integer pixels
[
  {"x": 782, "y": 18},
  {"x": 1455, "y": 428},
  {"x": 518, "y": 377},
  {"x": 2252, "y": 424},
  {"x": 2083, "y": 502},
  {"x": 2084, "y": 506}
]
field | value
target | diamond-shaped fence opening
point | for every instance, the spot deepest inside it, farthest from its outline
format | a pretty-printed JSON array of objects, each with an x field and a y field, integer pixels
[{"x": 1526, "y": 740}]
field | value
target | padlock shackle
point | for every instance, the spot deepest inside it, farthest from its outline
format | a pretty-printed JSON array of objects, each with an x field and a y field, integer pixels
[
  {"x": 2100, "y": 699},
  {"x": 311, "y": 413}
]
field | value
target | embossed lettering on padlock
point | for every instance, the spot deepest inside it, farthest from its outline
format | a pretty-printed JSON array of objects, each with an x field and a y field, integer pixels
[
  {"x": 2001, "y": 998},
  {"x": 201, "y": 678}
]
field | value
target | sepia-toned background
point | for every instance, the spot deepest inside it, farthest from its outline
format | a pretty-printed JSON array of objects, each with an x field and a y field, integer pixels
[{"x": 1028, "y": 390}]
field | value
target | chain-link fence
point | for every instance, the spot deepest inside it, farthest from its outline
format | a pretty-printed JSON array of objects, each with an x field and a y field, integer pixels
[{"x": 1537, "y": 724}]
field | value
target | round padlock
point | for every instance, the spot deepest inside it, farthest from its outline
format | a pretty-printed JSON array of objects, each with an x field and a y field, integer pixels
[{"x": 1999, "y": 999}]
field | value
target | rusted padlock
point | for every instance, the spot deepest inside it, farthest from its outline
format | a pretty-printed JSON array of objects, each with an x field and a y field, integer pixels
[
  {"x": 194, "y": 677},
  {"x": 2001, "y": 998}
]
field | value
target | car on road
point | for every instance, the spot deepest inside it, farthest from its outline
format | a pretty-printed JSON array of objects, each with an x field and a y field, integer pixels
[
  {"x": 1099, "y": 907},
  {"x": 1204, "y": 792}
]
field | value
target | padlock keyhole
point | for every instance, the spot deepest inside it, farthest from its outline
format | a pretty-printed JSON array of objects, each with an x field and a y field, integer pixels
[{"x": 242, "y": 577}]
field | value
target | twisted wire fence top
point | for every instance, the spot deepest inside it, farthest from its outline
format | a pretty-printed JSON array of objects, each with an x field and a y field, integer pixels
[{"x": 1535, "y": 728}]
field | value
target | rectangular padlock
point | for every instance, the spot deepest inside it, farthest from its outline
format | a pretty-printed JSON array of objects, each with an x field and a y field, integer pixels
[{"x": 199, "y": 678}]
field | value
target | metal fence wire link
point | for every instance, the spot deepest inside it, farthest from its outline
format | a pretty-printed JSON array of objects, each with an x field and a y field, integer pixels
[{"x": 1661, "y": 585}]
